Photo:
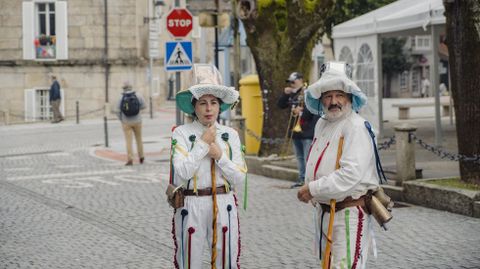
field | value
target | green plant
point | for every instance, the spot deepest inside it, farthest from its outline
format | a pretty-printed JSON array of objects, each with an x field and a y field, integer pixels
[{"x": 455, "y": 183}]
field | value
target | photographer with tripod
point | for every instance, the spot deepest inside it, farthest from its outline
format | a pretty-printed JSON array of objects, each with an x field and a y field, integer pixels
[{"x": 301, "y": 123}]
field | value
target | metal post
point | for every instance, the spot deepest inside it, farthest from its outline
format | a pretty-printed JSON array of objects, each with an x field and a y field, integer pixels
[
  {"x": 405, "y": 153},
  {"x": 434, "y": 85},
  {"x": 107, "y": 71},
  {"x": 177, "y": 89},
  {"x": 236, "y": 46},
  {"x": 380, "y": 88},
  {"x": 151, "y": 86},
  {"x": 150, "y": 58},
  {"x": 77, "y": 106},
  {"x": 178, "y": 115},
  {"x": 215, "y": 22}
]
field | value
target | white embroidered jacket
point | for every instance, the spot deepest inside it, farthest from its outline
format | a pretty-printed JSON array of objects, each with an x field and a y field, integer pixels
[
  {"x": 357, "y": 173},
  {"x": 191, "y": 161}
]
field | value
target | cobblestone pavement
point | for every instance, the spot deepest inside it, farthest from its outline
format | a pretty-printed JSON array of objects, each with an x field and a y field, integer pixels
[{"x": 63, "y": 207}]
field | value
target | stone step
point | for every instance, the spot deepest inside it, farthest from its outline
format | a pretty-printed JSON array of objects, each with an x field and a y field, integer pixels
[
  {"x": 292, "y": 164},
  {"x": 274, "y": 171}
]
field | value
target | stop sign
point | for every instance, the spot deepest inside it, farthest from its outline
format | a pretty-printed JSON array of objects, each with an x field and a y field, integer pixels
[{"x": 179, "y": 22}]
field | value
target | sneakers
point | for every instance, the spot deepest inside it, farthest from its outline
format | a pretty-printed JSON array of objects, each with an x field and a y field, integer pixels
[{"x": 297, "y": 184}]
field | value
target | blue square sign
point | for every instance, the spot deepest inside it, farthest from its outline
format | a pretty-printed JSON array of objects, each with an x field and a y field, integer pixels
[{"x": 178, "y": 55}]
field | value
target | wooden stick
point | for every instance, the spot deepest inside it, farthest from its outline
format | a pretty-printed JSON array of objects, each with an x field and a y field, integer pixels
[{"x": 333, "y": 202}]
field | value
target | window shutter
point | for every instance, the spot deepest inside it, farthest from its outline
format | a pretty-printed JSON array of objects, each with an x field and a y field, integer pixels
[
  {"x": 62, "y": 102},
  {"x": 30, "y": 105},
  {"x": 61, "y": 28},
  {"x": 28, "y": 31}
]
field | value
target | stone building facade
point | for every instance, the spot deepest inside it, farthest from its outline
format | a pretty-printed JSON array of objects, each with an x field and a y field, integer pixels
[{"x": 66, "y": 38}]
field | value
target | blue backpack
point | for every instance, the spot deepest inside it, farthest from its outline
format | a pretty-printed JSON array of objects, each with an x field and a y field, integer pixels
[{"x": 130, "y": 105}]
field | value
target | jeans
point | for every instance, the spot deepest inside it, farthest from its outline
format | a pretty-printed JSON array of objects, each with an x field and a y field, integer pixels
[{"x": 301, "y": 147}]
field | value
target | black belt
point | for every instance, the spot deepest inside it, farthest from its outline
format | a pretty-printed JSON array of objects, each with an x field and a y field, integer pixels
[{"x": 205, "y": 192}]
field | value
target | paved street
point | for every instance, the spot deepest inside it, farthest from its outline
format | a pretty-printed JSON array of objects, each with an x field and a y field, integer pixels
[{"x": 68, "y": 202}]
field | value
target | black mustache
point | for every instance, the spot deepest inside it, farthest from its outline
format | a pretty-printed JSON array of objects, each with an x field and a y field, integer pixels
[{"x": 334, "y": 106}]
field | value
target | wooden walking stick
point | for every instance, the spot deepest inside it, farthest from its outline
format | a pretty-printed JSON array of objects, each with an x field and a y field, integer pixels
[
  {"x": 333, "y": 202},
  {"x": 214, "y": 218}
]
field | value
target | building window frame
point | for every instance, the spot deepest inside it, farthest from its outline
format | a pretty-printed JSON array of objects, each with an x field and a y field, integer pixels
[
  {"x": 365, "y": 76},
  {"x": 45, "y": 30}
]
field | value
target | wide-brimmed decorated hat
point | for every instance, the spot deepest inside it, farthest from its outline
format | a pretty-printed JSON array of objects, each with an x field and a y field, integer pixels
[
  {"x": 206, "y": 79},
  {"x": 334, "y": 76}
]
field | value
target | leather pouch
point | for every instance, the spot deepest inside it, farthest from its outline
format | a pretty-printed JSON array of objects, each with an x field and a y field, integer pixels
[{"x": 175, "y": 196}]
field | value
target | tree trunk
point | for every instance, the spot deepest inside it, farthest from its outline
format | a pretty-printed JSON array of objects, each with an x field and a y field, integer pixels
[
  {"x": 463, "y": 39},
  {"x": 281, "y": 36}
]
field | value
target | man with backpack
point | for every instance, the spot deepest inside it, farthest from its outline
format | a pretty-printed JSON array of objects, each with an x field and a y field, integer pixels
[{"x": 129, "y": 107}]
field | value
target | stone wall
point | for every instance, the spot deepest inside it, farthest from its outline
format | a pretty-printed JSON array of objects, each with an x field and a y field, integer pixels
[
  {"x": 85, "y": 84},
  {"x": 82, "y": 75}
]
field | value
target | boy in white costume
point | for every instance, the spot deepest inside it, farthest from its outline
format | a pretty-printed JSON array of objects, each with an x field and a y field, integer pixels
[
  {"x": 206, "y": 154},
  {"x": 341, "y": 165}
]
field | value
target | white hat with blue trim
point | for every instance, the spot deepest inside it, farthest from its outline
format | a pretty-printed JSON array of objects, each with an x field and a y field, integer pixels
[{"x": 334, "y": 76}]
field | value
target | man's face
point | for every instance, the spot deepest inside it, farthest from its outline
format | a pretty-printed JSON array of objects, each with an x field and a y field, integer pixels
[
  {"x": 336, "y": 104},
  {"x": 296, "y": 83}
]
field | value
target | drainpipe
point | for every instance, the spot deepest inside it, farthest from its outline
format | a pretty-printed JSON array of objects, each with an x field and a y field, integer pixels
[{"x": 107, "y": 72}]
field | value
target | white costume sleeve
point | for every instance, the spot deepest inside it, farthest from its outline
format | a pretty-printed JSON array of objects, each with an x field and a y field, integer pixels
[
  {"x": 234, "y": 170},
  {"x": 356, "y": 158},
  {"x": 187, "y": 163}
]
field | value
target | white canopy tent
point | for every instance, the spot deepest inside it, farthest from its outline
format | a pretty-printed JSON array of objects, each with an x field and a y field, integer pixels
[{"x": 358, "y": 42}]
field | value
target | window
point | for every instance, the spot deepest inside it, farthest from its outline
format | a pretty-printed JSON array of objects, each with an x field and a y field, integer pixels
[
  {"x": 346, "y": 55},
  {"x": 37, "y": 104},
  {"x": 365, "y": 68},
  {"x": 421, "y": 42},
  {"x": 45, "y": 30}
]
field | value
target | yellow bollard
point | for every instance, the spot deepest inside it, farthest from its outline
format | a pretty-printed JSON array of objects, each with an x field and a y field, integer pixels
[{"x": 252, "y": 111}]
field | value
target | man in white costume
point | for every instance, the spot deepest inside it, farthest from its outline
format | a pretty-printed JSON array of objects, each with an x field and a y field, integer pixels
[
  {"x": 206, "y": 154},
  {"x": 341, "y": 165}
]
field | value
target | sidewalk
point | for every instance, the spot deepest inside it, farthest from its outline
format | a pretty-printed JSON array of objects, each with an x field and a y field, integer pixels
[{"x": 156, "y": 147}]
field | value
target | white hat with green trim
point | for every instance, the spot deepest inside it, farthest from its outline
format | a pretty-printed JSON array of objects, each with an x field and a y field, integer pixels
[{"x": 206, "y": 79}]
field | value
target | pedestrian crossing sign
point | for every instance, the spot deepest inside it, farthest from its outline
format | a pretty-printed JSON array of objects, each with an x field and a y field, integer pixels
[{"x": 178, "y": 55}]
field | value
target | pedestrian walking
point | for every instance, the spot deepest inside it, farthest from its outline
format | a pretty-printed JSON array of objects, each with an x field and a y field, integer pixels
[
  {"x": 207, "y": 163},
  {"x": 128, "y": 111},
  {"x": 55, "y": 98},
  {"x": 301, "y": 122},
  {"x": 341, "y": 171}
]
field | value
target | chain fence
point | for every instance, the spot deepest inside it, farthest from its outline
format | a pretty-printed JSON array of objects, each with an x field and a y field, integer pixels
[
  {"x": 21, "y": 117},
  {"x": 443, "y": 154},
  {"x": 386, "y": 144},
  {"x": 265, "y": 140}
]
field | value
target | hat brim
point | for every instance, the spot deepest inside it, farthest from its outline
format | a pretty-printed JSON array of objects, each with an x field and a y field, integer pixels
[
  {"x": 314, "y": 104},
  {"x": 228, "y": 95}
]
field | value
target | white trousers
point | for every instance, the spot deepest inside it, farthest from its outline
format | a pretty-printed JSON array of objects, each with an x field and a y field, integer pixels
[
  {"x": 193, "y": 232},
  {"x": 352, "y": 235}
]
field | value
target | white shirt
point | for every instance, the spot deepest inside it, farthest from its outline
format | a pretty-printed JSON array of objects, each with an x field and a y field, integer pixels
[
  {"x": 357, "y": 173},
  {"x": 190, "y": 162}
]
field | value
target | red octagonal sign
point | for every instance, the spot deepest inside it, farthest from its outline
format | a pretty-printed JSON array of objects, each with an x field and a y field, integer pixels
[{"x": 179, "y": 22}]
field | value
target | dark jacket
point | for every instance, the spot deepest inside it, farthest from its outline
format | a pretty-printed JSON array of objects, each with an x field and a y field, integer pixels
[
  {"x": 55, "y": 91},
  {"x": 307, "y": 120}
]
